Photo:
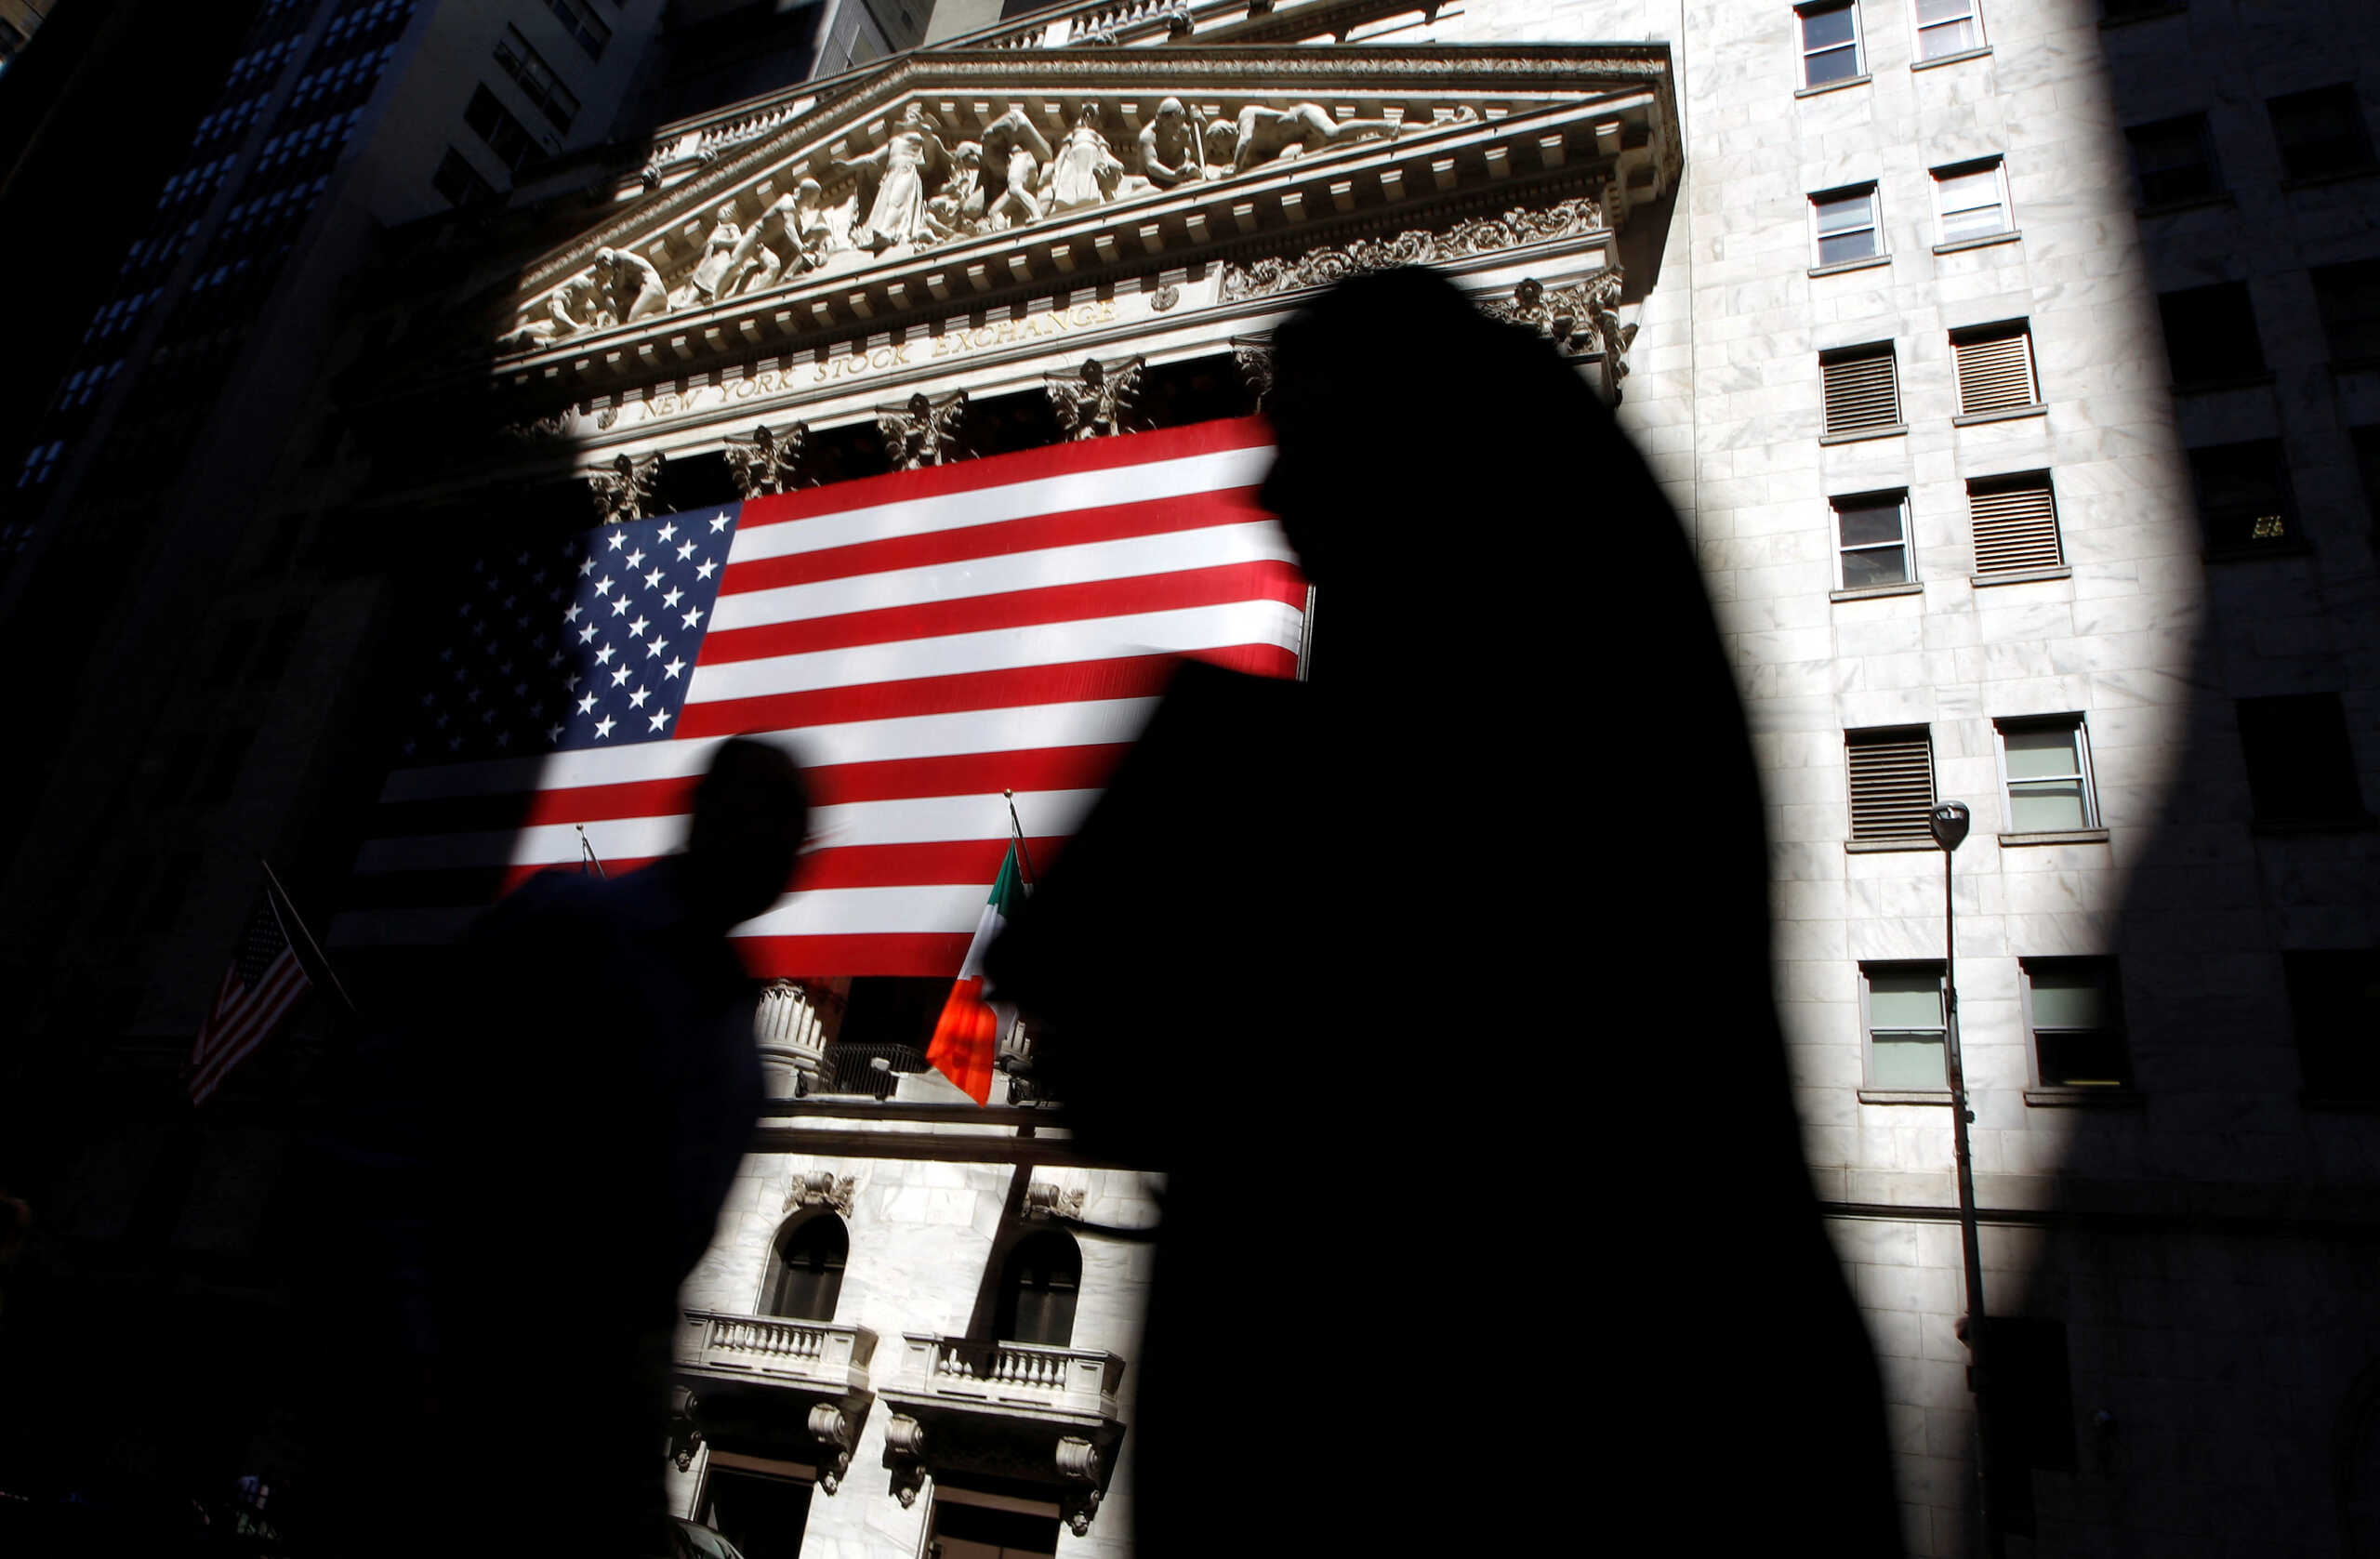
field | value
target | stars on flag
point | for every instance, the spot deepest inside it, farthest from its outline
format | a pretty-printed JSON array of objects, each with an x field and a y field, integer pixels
[{"x": 537, "y": 689}]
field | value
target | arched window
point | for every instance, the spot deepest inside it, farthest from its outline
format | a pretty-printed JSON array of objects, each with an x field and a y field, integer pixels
[
  {"x": 1037, "y": 1288},
  {"x": 807, "y": 1276}
]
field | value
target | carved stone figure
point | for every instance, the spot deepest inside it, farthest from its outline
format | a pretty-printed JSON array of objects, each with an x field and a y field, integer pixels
[
  {"x": 1085, "y": 171},
  {"x": 958, "y": 209},
  {"x": 923, "y": 433},
  {"x": 1013, "y": 153},
  {"x": 630, "y": 285},
  {"x": 1554, "y": 316},
  {"x": 910, "y": 156},
  {"x": 576, "y": 305},
  {"x": 790, "y": 237},
  {"x": 769, "y": 464},
  {"x": 1097, "y": 400},
  {"x": 622, "y": 493},
  {"x": 1615, "y": 339},
  {"x": 1170, "y": 146},
  {"x": 719, "y": 249},
  {"x": 1263, "y": 134}
]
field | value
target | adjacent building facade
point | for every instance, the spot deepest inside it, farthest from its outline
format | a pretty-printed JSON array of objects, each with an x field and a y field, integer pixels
[{"x": 2012, "y": 364}]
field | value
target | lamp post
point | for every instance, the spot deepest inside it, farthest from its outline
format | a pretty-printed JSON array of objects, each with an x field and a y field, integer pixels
[{"x": 1948, "y": 822}]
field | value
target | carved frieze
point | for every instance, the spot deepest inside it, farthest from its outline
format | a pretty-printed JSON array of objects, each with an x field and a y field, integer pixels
[
  {"x": 821, "y": 1188},
  {"x": 1481, "y": 235},
  {"x": 1043, "y": 1199}
]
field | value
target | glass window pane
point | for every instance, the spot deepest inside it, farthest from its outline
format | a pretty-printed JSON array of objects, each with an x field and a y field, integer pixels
[
  {"x": 1899, "y": 998},
  {"x": 2038, "y": 806},
  {"x": 2083, "y": 1060},
  {"x": 1948, "y": 38},
  {"x": 1833, "y": 64},
  {"x": 1972, "y": 224},
  {"x": 1875, "y": 565},
  {"x": 2041, "y": 754},
  {"x": 2068, "y": 998},
  {"x": 1941, "y": 11},
  {"x": 1869, "y": 522},
  {"x": 1840, "y": 213},
  {"x": 1910, "y": 1064},
  {"x": 1850, "y": 247},
  {"x": 1963, "y": 190},
  {"x": 1824, "y": 28}
]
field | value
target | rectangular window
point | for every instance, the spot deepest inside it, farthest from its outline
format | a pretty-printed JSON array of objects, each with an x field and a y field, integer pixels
[
  {"x": 1830, "y": 43},
  {"x": 1901, "y": 1004},
  {"x": 755, "y": 1512},
  {"x": 2334, "y": 1007},
  {"x": 1974, "y": 201},
  {"x": 2349, "y": 296},
  {"x": 2073, "y": 1008},
  {"x": 2046, "y": 765},
  {"x": 2321, "y": 132},
  {"x": 2301, "y": 766},
  {"x": 578, "y": 19},
  {"x": 1862, "y": 389},
  {"x": 2243, "y": 495},
  {"x": 1892, "y": 783},
  {"x": 458, "y": 181},
  {"x": 2033, "y": 1385},
  {"x": 1948, "y": 27},
  {"x": 506, "y": 136},
  {"x": 966, "y": 1530},
  {"x": 1847, "y": 225},
  {"x": 1873, "y": 531},
  {"x": 1995, "y": 368},
  {"x": 2173, "y": 161},
  {"x": 535, "y": 78},
  {"x": 2013, "y": 520},
  {"x": 2211, "y": 335},
  {"x": 2366, "y": 444}
]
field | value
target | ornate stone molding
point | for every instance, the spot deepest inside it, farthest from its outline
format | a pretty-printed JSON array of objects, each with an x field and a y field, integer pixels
[
  {"x": 768, "y": 464},
  {"x": 905, "y": 1452},
  {"x": 622, "y": 491},
  {"x": 1253, "y": 357},
  {"x": 1078, "y": 1465},
  {"x": 923, "y": 430},
  {"x": 1479, "y": 235},
  {"x": 822, "y": 1188},
  {"x": 1099, "y": 399},
  {"x": 1581, "y": 319},
  {"x": 1043, "y": 1199},
  {"x": 832, "y": 1428}
]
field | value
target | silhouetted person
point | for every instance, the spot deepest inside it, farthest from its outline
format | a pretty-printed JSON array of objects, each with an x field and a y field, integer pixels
[
  {"x": 570, "y": 1114},
  {"x": 1438, "y": 984}
]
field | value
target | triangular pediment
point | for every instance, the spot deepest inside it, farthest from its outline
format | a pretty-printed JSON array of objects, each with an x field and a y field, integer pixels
[{"x": 951, "y": 180}]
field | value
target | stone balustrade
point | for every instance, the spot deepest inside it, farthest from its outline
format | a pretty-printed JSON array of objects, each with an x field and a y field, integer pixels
[
  {"x": 822, "y": 1354},
  {"x": 1014, "y": 1375}
]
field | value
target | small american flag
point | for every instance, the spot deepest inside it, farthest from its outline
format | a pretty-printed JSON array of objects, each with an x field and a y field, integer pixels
[
  {"x": 925, "y": 640},
  {"x": 263, "y": 983}
]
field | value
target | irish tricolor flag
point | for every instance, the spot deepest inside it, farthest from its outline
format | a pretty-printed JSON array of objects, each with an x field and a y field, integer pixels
[{"x": 966, "y": 1039}]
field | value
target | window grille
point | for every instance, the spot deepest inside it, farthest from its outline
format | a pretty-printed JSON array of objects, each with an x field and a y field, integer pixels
[
  {"x": 1995, "y": 369},
  {"x": 1892, "y": 783},
  {"x": 2015, "y": 524},
  {"x": 1862, "y": 389}
]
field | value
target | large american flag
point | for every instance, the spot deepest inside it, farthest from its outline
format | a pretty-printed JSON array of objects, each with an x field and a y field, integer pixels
[{"x": 924, "y": 641}]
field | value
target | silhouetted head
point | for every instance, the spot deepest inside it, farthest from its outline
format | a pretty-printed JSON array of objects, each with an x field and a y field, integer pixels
[
  {"x": 1415, "y": 435},
  {"x": 751, "y": 814}
]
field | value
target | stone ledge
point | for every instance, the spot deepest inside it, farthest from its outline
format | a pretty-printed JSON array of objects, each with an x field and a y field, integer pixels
[
  {"x": 2176, "y": 207},
  {"x": 2021, "y": 576},
  {"x": 2342, "y": 176},
  {"x": 2362, "y": 823},
  {"x": 1979, "y": 52},
  {"x": 2219, "y": 386},
  {"x": 2099, "y": 1098},
  {"x": 2108, "y": 22},
  {"x": 1958, "y": 245},
  {"x": 2006, "y": 413},
  {"x": 1874, "y": 592},
  {"x": 1864, "y": 262},
  {"x": 1862, "y": 79},
  {"x": 2281, "y": 546},
  {"x": 1881, "y": 847},
  {"x": 1896, "y": 431},
  {"x": 1905, "y": 1096},
  {"x": 2056, "y": 836}
]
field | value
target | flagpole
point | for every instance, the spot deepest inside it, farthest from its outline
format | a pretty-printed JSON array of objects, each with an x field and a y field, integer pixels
[
  {"x": 1016, "y": 831},
  {"x": 273, "y": 883},
  {"x": 586, "y": 855}
]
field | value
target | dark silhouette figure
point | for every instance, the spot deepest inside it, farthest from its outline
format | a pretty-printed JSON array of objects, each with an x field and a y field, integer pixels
[
  {"x": 532, "y": 1166},
  {"x": 1438, "y": 984}
]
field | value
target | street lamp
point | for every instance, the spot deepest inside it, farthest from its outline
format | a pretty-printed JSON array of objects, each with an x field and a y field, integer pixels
[{"x": 1948, "y": 822}]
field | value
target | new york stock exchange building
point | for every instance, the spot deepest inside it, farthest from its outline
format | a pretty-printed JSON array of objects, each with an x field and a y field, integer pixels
[{"x": 2012, "y": 382}]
